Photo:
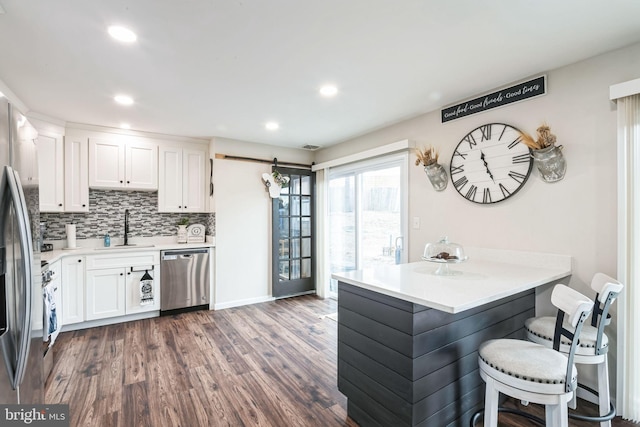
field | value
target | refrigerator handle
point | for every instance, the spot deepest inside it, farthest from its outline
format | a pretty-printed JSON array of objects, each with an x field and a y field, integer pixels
[{"x": 26, "y": 250}]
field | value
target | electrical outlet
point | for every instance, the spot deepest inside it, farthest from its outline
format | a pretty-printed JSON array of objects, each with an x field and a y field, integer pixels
[{"x": 416, "y": 222}]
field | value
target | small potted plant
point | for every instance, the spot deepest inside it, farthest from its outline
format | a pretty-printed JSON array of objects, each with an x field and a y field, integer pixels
[
  {"x": 428, "y": 158},
  {"x": 547, "y": 156},
  {"x": 182, "y": 229}
]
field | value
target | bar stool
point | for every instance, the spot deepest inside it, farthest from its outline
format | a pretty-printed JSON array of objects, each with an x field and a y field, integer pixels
[
  {"x": 532, "y": 372},
  {"x": 593, "y": 345}
]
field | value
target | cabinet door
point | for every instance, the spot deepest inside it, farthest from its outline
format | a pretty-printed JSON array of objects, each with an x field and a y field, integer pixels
[
  {"x": 170, "y": 182},
  {"x": 106, "y": 164},
  {"x": 51, "y": 171},
  {"x": 141, "y": 163},
  {"x": 105, "y": 293},
  {"x": 76, "y": 173},
  {"x": 133, "y": 291},
  {"x": 193, "y": 183},
  {"x": 72, "y": 290}
]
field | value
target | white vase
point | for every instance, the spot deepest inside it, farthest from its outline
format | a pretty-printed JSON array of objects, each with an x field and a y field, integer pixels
[{"x": 182, "y": 234}]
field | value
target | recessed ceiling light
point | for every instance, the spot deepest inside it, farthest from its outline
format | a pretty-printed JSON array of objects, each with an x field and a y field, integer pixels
[
  {"x": 272, "y": 125},
  {"x": 123, "y": 99},
  {"x": 328, "y": 91},
  {"x": 125, "y": 126},
  {"x": 122, "y": 34}
]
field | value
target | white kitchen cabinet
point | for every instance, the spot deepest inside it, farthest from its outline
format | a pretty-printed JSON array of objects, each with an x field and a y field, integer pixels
[
  {"x": 113, "y": 283},
  {"x": 51, "y": 171},
  {"x": 118, "y": 164},
  {"x": 72, "y": 270},
  {"x": 134, "y": 304},
  {"x": 76, "y": 172},
  {"x": 105, "y": 293},
  {"x": 181, "y": 186}
]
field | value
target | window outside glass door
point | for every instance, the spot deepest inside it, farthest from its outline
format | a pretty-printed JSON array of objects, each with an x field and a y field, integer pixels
[{"x": 366, "y": 215}]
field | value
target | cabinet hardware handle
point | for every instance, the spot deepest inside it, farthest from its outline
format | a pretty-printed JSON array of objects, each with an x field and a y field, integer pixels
[
  {"x": 79, "y": 260},
  {"x": 83, "y": 205},
  {"x": 122, "y": 274},
  {"x": 120, "y": 181},
  {"x": 128, "y": 182},
  {"x": 59, "y": 204}
]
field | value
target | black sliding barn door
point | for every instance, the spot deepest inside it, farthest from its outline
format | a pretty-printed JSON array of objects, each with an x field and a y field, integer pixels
[{"x": 293, "y": 240}]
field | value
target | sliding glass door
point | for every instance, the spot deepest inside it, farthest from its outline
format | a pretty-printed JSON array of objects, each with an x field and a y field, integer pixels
[{"x": 367, "y": 214}]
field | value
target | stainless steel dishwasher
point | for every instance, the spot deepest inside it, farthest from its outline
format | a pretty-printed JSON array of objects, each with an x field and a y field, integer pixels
[{"x": 184, "y": 280}]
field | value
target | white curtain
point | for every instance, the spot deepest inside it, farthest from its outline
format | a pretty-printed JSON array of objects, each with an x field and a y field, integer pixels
[{"x": 628, "y": 396}]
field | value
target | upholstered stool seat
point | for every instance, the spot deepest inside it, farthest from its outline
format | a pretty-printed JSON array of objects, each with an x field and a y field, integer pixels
[
  {"x": 526, "y": 365},
  {"x": 532, "y": 372},
  {"x": 540, "y": 330},
  {"x": 592, "y": 345}
]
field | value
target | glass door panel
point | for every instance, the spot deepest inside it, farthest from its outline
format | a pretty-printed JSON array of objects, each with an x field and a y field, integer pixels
[
  {"x": 293, "y": 235},
  {"x": 366, "y": 205}
]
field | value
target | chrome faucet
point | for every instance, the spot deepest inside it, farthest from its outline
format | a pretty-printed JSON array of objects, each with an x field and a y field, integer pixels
[{"x": 126, "y": 227}]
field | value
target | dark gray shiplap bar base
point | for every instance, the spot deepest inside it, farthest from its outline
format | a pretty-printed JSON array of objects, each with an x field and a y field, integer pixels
[{"x": 404, "y": 364}]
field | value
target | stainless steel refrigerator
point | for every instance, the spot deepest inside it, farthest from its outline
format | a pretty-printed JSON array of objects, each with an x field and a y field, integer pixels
[{"x": 21, "y": 300}]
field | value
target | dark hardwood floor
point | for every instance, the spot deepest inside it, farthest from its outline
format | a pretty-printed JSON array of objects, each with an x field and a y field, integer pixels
[{"x": 270, "y": 364}]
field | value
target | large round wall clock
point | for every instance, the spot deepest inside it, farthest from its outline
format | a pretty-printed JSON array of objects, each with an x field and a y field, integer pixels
[{"x": 490, "y": 164}]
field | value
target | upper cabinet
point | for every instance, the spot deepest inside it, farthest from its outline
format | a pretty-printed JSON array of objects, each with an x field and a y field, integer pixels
[
  {"x": 51, "y": 171},
  {"x": 76, "y": 172},
  {"x": 123, "y": 164},
  {"x": 182, "y": 181}
]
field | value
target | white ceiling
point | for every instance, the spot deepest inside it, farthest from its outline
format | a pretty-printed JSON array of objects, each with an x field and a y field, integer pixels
[{"x": 223, "y": 68}]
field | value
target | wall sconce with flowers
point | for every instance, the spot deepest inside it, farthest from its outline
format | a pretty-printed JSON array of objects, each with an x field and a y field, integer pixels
[
  {"x": 274, "y": 182},
  {"x": 547, "y": 156},
  {"x": 428, "y": 158}
]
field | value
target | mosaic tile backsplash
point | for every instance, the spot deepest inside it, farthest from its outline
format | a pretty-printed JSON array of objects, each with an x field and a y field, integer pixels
[{"x": 106, "y": 215}]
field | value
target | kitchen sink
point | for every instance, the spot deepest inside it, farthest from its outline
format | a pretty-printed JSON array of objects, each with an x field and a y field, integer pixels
[{"x": 128, "y": 246}]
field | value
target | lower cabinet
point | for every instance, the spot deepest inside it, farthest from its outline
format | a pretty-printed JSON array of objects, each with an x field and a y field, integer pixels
[
  {"x": 105, "y": 293},
  {"x": 72, "y": 270},
  {"x": 139, "y": 301},
  {"x": 115, "y": 287}
]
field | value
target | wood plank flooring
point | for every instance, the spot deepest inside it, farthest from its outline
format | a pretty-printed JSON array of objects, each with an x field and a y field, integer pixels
[{"x": 270, "y": 364}]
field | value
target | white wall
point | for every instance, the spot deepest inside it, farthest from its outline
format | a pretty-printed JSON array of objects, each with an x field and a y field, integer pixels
[
  {"x": 576, "y": 216},
  {"x": 243, "y": 221}
]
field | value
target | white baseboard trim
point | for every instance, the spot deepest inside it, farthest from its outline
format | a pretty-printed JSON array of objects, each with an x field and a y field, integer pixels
[
  {"x": 241, "y": 302},
  {"x": 109, "y": 321}
]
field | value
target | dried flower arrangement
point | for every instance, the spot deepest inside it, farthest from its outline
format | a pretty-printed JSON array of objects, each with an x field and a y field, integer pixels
[
  {"x": 280, "y": 179},
  {"x": 426, "y": 156},
  {"x": 545, "y": 138}
]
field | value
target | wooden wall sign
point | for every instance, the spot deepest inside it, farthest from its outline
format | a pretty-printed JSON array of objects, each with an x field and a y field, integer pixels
[{"x": 521, "y": 91}]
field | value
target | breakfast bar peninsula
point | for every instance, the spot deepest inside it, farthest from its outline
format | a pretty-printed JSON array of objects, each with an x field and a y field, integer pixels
[{"x": 408, "y": 338}]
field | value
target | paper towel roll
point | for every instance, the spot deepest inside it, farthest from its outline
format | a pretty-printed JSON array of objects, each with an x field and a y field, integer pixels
[{"x": 71, "y": 235}]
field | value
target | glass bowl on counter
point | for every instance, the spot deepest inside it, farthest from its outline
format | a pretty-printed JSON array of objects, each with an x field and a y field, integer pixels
[{"x": 444, "y": 253}]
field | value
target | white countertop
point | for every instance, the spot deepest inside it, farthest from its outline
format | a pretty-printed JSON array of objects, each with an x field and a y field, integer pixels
[
  {"x": 486, "y": 276},
  {"x": 96, "y": 247}
]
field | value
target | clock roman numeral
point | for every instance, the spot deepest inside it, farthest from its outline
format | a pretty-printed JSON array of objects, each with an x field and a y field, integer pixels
[
  {"x": 486, "y": 196},
  {"x": 522, "y": 158},
  {"x": 505, "y": 193},
  {"x": 460, "y": 182},
  {"x": 502, "y": 133},
  {"x": 471, "y": 140},
  {"x": 515, "y": 142},
  {"x": 486, "y": 132},
  {"x": 518, "y": 177},
  {"x": 457, "y": 153},
  {"x": 456, "y": 169},
  {"x": 471, "y": 194}
]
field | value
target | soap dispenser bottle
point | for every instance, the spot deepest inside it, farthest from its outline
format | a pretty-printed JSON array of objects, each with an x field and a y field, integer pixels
[{"x": 107, "y": 240}]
